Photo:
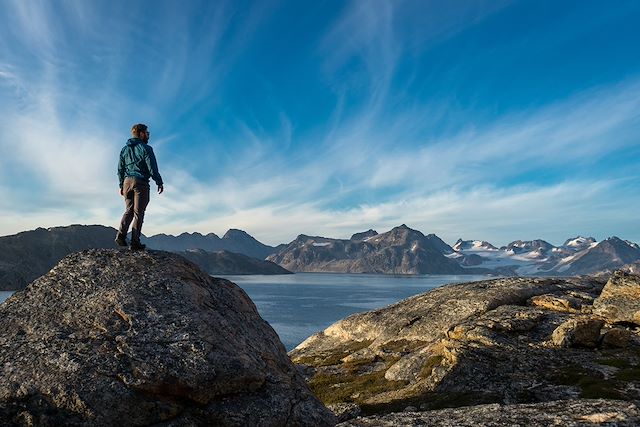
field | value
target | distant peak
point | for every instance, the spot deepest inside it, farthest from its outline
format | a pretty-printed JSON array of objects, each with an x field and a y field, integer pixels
[
  {"x": 579, "y": 241},
  {"x": 364, "y": 235},
  {"x": 234, "y": 232}
]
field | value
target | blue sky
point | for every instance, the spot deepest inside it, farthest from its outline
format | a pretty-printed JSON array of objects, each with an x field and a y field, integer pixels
[{"x": 493, "y": 120}]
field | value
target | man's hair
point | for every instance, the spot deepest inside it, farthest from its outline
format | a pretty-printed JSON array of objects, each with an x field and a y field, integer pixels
[{"x": 136, "y": 129}]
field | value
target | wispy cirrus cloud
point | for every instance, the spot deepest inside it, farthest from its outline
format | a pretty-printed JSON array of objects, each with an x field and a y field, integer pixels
[{"x": 378, "y": 156}]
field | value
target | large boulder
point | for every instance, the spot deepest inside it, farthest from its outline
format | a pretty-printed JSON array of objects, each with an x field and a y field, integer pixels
[
  {"x": 491, "y": 341},
  {"x": 620, "y": 299},
  {"x": 137, "y": 338}
]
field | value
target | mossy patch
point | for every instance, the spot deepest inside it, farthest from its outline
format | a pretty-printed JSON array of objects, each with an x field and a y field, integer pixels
[
  {"x": 629, "y": 374},
  {"x": 351, "y": 387},
  {"x": 334, "y": 356},
  {"x": 592, "y": 384},
  {"x": 616, "y": 363}
]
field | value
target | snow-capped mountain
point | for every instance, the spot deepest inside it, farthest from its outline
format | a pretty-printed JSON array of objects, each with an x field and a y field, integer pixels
[
  {"x": 579, "y": 255},
  {"x": 407, "y": 251},
  {"x": 578, "y": 243},
  {"x": 473, "y": 245}
]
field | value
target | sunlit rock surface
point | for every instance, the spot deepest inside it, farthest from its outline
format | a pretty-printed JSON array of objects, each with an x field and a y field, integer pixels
[{"x": 506, "y": 341}]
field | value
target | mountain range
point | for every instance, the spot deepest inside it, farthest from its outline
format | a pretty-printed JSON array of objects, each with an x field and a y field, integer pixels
[
  {"x": 29, "y": 254},
  {"x": 233, "y": 240},
  {"x": 401, "y": 250}
]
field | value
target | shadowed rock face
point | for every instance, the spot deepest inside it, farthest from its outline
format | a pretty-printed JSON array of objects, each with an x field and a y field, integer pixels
[
  {"x": 511, "y": 340},
  {"x": 116, "y": 337},
  {"x": 225, "y": 262},
  {"x": 28, "y": 255}
]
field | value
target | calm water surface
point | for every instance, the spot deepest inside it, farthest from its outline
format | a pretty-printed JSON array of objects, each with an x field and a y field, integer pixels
[{"x": 299, "y": 305}]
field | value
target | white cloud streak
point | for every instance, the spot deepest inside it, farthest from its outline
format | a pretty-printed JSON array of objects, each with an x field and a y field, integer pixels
[{"x": 452, "y": 185}]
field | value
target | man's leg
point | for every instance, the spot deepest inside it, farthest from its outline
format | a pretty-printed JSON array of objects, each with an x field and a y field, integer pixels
[
  {"x": 140, "y": 202},
  {"x": 127, "y": 217}
]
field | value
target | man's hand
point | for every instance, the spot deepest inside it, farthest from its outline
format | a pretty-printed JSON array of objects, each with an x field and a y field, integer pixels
[
  {"x": 121, "y": 192},
  {"x": 160, "y": 189}
]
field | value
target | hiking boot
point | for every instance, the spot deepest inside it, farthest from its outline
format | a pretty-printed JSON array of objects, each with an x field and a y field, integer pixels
[
  {"x": 137, "y": 246},
  {"x": 121, "y": 240}
]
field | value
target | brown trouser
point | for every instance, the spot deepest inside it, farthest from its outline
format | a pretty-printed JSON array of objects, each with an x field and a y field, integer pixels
[{"x": 136, "y": 199}]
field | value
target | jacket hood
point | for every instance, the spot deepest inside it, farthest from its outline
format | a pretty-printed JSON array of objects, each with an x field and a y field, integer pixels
[{"x": 134, "y": 141}]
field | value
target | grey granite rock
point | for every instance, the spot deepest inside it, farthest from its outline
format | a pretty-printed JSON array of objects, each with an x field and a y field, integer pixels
[
  {"x": 578, "y": 332},
  {"x": 579, "y": 412},
  {"x": 617, "y": 338},
  {"x": 137, "y": 338},
  {"x": 620, "y": 299}
]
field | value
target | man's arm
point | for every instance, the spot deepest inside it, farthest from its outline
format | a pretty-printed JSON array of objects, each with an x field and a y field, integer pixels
[
  {"x": 121, "y": 171},
  {"x": 152, "y": 166}
]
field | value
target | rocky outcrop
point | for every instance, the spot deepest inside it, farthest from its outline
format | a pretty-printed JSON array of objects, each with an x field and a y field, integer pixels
[
  {"x": 579, "y": 412},
  {"x": 620, "y": 299},
  {"x": 398, "y": 251},
  {"x": 506, "y": 341},
  {"x": 138, "y": 338},
  {"x": 225, "y": 262}
]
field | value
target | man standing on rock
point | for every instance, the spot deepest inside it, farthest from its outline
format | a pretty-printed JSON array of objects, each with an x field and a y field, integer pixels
[{"x": 137, "y": 164}]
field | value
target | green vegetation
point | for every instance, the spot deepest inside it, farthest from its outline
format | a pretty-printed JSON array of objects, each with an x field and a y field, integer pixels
[
  {"x": 629, "y": 374},
  {"x": 351, "y": 387},
  {"x": 616, "y": 363},
  {"x": 334, "y": 356},
  {"x": 592, "y": 384}
]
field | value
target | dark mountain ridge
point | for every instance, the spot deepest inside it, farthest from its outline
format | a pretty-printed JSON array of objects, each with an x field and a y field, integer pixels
[
  {"x": 401, "y": 250},
  {"x": 30, "y": 254},
  {"x": 234, "y": 240}
]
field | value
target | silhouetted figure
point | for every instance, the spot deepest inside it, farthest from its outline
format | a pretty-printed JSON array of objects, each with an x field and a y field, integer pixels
[{"x": 137, "y": 164}]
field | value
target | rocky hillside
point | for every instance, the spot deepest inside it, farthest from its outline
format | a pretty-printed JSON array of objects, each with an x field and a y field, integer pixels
[
  {"x": 225, "y": 262},
  {"x": 28, "y": 255},
  {"x": 399, "y": 251},
  {"x": 144, "y": 338},
  {"x": 506, "y": 341},
  {"x": 233, "y": 240}
]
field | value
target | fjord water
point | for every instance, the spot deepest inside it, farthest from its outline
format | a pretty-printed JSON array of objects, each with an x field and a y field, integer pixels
[
  {"x": 4, "y": 295},
  {"x": 299, "y": 305}
]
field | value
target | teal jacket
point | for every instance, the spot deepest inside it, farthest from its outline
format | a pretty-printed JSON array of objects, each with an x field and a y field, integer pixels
[{"x": 137, "y": 160}]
